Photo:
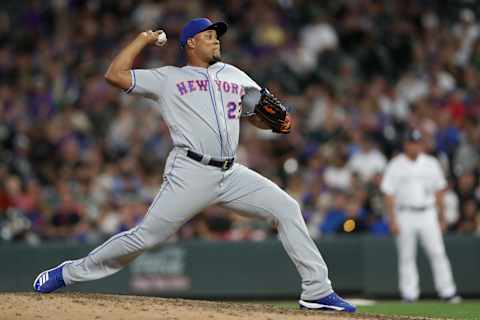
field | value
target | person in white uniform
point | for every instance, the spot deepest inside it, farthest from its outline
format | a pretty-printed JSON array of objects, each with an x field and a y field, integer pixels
[
  {"x": 414, "y": 186},
  {"x": 202, "y": 105}
]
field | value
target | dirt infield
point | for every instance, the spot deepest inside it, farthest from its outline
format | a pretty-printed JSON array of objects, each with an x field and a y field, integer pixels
[{"x": 76, "y": 306}]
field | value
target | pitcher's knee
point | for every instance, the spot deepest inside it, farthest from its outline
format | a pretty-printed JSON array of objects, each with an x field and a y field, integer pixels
[
  {"x": 150, "y": 242},
  {"x": 145, "y": 239},
  {"x": 289, "y": 209}
]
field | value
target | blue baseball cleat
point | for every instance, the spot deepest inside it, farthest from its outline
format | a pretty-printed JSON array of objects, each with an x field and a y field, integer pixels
[
  {"x": 332, "y": 302},
  {"x": 50, "y": 280}
]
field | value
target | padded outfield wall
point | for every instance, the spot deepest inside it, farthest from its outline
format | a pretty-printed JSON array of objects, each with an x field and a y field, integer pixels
[{"x": 359, "y": 265}]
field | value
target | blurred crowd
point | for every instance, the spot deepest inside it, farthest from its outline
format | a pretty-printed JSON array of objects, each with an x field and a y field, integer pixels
[{"x": 80, "y": 161}]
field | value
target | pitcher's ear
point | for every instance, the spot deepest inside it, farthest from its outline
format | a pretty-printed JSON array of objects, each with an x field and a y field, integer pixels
[{"x": 191, "y": 43}]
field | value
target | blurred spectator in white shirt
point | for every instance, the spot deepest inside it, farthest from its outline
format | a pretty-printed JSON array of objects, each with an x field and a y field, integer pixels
[
  {"x": 315, "y": 38},
  {"x": 467, "y": 32},
  {"x": 337, "y": 174},
  {"x": 368, "y": 161}
]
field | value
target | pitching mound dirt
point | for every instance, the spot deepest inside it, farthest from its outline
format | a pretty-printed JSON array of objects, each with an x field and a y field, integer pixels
[{"x": 80, "y": 306}]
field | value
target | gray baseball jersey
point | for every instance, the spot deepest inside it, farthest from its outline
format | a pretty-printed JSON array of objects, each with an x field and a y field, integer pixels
[{"x": 201, "y": 106}]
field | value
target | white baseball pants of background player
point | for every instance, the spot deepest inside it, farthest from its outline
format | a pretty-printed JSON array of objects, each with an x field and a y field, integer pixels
[
  {"x": 191, "y": 186},
  {"x": 423, "y": 225}
]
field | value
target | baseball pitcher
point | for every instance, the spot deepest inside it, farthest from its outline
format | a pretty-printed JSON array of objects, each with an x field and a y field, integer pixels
[{"x": 202, "y": 103}]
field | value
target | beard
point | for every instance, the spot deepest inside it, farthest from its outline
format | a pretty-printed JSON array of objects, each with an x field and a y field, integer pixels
[{"x": 215, "y": 58}]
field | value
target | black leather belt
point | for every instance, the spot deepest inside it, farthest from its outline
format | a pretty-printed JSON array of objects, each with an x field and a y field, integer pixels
[
  {"x": 222, "y": 164},
  {"x": 412, "y": 208}
]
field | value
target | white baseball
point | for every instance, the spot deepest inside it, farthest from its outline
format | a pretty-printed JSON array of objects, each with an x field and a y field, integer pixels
[{"x": 162, "y": 39}]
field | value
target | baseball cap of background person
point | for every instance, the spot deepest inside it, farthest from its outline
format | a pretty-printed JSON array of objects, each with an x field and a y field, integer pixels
[
  {"x": 198, "y": 25},
  {"x": 413, "y": 135}
]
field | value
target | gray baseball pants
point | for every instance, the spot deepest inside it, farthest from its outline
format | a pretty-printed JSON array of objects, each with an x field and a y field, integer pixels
[{"x": 189, "y": 187}]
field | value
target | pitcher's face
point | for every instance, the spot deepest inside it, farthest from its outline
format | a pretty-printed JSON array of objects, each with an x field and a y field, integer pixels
[{"x": 207, "y": 46}]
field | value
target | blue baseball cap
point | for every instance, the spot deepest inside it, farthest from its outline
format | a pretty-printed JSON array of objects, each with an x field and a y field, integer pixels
[{"x": 198, "y": 25}]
